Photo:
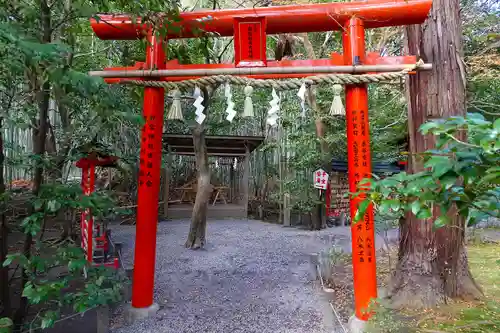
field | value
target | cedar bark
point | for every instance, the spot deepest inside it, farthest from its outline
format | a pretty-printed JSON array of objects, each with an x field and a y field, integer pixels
[
  {"x": 433, "y": 265},
  {"x": 197, "y": 231}
]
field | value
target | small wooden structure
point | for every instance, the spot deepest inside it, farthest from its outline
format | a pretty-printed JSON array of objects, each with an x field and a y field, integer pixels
[{"x": 224, "y": 203}]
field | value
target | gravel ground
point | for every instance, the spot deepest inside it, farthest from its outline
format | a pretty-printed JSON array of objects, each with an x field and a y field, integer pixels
[{"x": 251, "y": 277}]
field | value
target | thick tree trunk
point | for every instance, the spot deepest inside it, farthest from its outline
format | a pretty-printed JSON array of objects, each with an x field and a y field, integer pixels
[
  {"x": 39, "y": 140},
  {"x": 433, "y": 265},
  {"x": 196, "y": 238}
]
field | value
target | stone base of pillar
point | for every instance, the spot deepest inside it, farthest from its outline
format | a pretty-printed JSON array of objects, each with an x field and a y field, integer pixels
[
  {"x": 356, "y": 325},
  {"x": 134, "y": 314}
]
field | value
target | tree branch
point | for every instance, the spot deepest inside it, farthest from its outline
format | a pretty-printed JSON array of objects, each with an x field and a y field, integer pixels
[{"x": 461, "y": 142}]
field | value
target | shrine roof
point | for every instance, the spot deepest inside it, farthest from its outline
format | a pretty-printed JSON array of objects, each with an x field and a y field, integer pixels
[{"x": 217, "y": 145}]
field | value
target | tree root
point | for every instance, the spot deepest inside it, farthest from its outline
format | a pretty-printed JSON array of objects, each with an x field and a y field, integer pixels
[
  {"x": 194, "y": 245},
  {"x": 57, "y": 241},
  {"x": 419, "y": 283},
  {"x": 414, "y": 285},
  {"x": 128, "y": 221}
]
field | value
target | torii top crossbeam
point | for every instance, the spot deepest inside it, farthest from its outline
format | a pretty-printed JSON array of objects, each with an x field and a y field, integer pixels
[{"x": 280, "y": 19}]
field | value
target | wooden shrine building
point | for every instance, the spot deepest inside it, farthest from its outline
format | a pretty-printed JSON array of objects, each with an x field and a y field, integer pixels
[{"x": 229, "y": 162}]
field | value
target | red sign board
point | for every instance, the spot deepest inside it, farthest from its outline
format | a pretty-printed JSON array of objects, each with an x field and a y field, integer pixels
[{"x": 250, "y": 41}]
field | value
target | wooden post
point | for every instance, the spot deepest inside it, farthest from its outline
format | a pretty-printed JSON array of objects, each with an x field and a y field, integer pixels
[
  {"x": 231, "y": 183},
  {"x": 286, "y": 210},
  {"x": 166, "y": 190},
  {"x": 102, "y": 314},
  {"x": 246, "y": 176}
]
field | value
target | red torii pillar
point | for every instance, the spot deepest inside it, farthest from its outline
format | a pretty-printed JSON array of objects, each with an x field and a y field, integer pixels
[
  {"x": 359, "y": 167},
  {"x": 149, "y": 183},
  {"x": 352, "y": 18}
]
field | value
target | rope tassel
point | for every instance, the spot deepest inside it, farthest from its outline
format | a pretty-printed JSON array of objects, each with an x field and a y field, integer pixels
[
  {"x": 175, "y": 112},
  {"x": 248, "y": 105},
  {"x": 337, "y": 108}
]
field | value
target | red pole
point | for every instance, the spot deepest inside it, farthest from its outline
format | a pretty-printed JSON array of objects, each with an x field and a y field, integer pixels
[
  {"x": 359, "y": 167},
  {"x": 85, "y": 213},
  {"x": 328, "y": 200},
  {"x": 90, "y": 217},
  {"x": 149, "y": 182},
  {"x": 92, "y": 178},
  {"x": 86, "y": 219}
]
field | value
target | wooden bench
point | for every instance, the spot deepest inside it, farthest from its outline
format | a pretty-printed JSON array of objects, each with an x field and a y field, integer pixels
[
  {"x": 220, "y": 194},
  {"x": 188, "y": 193}
]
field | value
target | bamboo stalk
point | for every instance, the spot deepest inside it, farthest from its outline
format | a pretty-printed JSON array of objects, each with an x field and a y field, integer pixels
[{"x": 256, "y": 71}]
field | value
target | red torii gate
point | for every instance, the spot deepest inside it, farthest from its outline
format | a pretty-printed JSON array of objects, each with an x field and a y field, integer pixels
[{"x": 249, "y": 27}]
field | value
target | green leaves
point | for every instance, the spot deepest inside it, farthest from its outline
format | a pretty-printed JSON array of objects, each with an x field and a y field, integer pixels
[
  {"x": 492, "y": 176},
  {"x": 33, "y": 223},
  {"x": 441, "y": 221},
  {"x": 415, "y": 207},
  {"x": 439, "y": 165},
  {"x": 395, "y": 205},
  {"x": 83, "y": 107},
  {"x": 476, "y": 119},
  {"x": 76, "y": 265},
  {"x": 448, "y": 179},
  {"x": 496, "y": 125},
  {"x": 363, "y": 206},
  {"x": 17, "y": 257},
  {"x": 7, "y": 261},
  {"x": 49, "y": 318},
  {"x": 53, "y": 206},
  {"x": 101, "y": 286},
  {"x": 134, "y": 118},
  {"x": 425, "y": 128},
  {"x": 6, "y": 323},
  {"x": 424, "y": 213},
  {"x": 38, "y": 204},
  {"x": 462, "y": 174}
]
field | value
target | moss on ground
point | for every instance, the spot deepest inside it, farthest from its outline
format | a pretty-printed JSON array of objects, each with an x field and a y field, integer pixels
[
  {"x": 458, "y": 317},
  {"x": 474, "y": 317}
]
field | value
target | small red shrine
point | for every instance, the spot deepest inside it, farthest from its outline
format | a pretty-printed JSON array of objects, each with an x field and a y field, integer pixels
[{"x": 95, "y": 241}]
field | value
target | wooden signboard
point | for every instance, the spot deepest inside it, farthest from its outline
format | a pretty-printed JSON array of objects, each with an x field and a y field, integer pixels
[
  {"x": 250, "y": 41},
  {"x": 339, "y": 202}
]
